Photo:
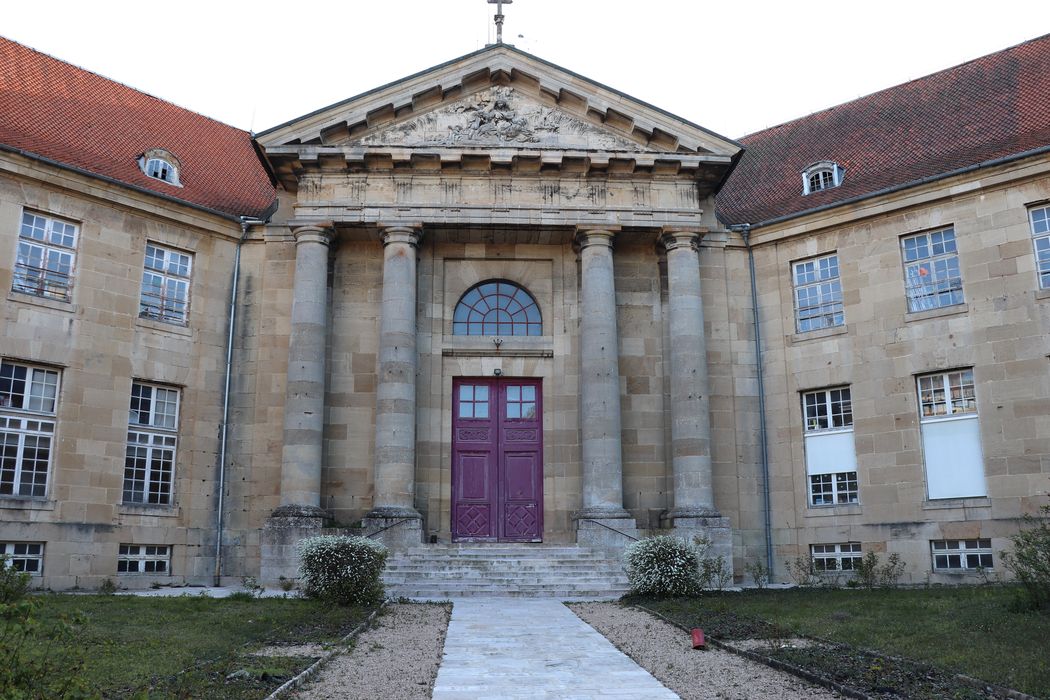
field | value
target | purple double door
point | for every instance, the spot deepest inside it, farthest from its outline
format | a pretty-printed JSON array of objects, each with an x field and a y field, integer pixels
[{"x": 497, "y": 460}]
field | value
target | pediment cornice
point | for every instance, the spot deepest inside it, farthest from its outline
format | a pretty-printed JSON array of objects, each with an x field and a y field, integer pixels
[{"x": 497, "y": 105}]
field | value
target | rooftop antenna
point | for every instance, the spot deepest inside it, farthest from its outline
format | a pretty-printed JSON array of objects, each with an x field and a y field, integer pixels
[{"x": 499, "y": 17}]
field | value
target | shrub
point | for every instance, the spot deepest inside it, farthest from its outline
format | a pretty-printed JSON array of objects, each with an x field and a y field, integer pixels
[
  {"x": 758, "y": 572},
  {"x": 871, "y": 574},
  {"x": 345, "y": 570},
  {"x": 801, "y": 570},
  {"x": 13, "y": 584},
  {"x": 662, "y": 566},
  {"x": 1030, "y": 559}
]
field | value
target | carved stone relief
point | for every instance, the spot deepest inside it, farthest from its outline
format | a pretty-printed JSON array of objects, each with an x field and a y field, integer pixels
[{"x": 500, "y": 116}]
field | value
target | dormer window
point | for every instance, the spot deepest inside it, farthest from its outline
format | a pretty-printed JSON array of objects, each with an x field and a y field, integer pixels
[
  {"x": 822, "y": 176},
  {"x": 161, "y": 165}
]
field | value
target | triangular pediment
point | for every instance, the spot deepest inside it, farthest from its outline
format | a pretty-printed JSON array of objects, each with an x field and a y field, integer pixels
[
  {"x": 499, "y": 116},
  {"x": 499, "y": 97}
]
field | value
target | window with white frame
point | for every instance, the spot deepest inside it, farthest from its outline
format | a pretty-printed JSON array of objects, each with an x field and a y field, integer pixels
[
  {"x": 831, "y": 457},
  {"x": 822, "y": 175},
  {"x": 28, "y": 399},
  {"x": 161, "y": 165},
  {"x": 149, "y": 462},
  {"x": 166, "y": 285},
  {"x": 144, "y": 559},
  {"x": 45, "y": 257},
  {"x": 843, "y": 556},
  {"x": 961, "y": 555},
  {"x": 931, "y": 270},
  {"x": 951, "y": 439},
  {"x": 24, "y": 556},
  {"x": 1040, "y": 220},
  {"x": 818, "y": 294}
]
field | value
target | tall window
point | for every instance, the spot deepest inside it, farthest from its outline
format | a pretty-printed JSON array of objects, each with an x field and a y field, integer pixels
[
  {"x": 28, "y": 398},
  {"x": 951, "y": 439},
  {"x": 831, "y": 458},
  {"x": 46, "y": 252},
  {"x": 165, "y": 285},
  {"x": 1040, "y": 219},
  {"x": 497, "y": 308},
  {"x": 149, "y": 462},
  {"x": 818, "y": 294},
  {"x": 24, "y": 556},
  {"x": 931, "y": 270}
]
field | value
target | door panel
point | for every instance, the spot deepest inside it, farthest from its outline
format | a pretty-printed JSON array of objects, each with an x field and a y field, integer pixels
[{"x": 497, "y": 460}]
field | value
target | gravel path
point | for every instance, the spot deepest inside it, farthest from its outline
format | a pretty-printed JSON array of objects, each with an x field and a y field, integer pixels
[
  {"x": 666, "y": 652},
  {"x": 397, "y": 659}
]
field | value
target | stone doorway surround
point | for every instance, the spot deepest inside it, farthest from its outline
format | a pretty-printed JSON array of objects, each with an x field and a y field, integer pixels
[{"x": 497, "y": 143}]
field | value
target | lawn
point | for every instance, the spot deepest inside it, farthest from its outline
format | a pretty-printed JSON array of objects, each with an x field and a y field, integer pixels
[
  {"x": 967, "y": 630},
  {"x": 187, "y": 646}
]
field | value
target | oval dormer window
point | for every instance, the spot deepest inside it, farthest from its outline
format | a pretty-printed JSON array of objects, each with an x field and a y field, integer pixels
[
  {"x": 822, "y": 176},
  {"x": 161, "y": 165}
]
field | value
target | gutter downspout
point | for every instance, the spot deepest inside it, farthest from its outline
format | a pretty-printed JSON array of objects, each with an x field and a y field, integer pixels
[
  {"x": 745, "y": 233},
  {"x": 224, "y": 431}
]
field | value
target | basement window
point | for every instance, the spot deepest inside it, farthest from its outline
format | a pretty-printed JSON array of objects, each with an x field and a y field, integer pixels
[{"x": 822, "y": 175}]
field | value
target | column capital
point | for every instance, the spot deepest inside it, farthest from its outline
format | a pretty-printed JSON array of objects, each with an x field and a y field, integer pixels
[
  {"x": 322, "y": 232},
  {"x": 590, "y": 234},
  {"x": 411, "y": 234},
  {"x": 673, "y": 237}
]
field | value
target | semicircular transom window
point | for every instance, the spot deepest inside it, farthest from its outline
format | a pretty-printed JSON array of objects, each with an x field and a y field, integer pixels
[{"x": 497, "y": 308}]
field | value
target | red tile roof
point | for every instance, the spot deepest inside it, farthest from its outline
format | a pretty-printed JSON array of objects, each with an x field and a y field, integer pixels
[
  {"x": 66, "y": 114},
  {"x": 989, "y": 108}
]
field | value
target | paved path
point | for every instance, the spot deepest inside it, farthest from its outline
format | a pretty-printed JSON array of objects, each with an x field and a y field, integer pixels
[{"x": 534, "y": 648}]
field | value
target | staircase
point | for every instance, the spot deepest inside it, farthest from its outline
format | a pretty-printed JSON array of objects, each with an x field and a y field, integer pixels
[{"x": 442, "y": 571}]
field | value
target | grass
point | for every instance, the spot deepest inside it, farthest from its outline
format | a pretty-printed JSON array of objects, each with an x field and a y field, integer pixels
[
  {"x": 968, "y": 630},
  {"x": 187, "y": 646}
]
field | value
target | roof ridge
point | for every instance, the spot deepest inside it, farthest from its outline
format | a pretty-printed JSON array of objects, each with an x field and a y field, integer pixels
[
  {"x": 123, "y": 85},
  {"x": 860, "y": 98}
]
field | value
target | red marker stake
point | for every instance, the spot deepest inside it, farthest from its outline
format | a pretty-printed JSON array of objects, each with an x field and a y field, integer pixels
[{"x": 698, "y": 639}]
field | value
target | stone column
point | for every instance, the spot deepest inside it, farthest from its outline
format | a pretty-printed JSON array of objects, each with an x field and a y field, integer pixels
[
  {"x": 395, "y": 448},
  {"x": 600, "y": 394},
  {"x": 694, "y": 504},
  {"x": 299, "y": 514}
]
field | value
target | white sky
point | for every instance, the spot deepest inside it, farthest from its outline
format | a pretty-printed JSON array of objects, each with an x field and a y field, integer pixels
[{"x": 734, "y": 66}]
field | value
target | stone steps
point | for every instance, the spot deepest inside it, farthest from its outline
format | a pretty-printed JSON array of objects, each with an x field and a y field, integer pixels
[{"x": 438, "y": 572}]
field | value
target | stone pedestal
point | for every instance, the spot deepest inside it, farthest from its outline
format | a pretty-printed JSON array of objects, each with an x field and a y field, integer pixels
[
  {"x": 283, "y": 530},
  {"x": 395, "y": 533},
  {"x": 716, "y": 529}
]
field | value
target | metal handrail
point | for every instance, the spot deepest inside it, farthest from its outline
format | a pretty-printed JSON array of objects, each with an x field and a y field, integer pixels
[
  {"x": 399, "y": 522},
  {"x": 592, "y": 520}
]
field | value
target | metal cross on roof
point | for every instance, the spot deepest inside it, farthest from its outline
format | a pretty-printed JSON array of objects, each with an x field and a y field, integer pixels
[{"x": 499, "y": 17}]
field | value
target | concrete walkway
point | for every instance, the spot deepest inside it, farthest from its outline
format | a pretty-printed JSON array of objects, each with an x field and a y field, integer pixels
[{"x": 534, "y": 648}]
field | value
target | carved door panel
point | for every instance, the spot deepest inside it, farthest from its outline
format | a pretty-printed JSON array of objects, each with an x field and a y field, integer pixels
[{"x": 497, "y": 460}]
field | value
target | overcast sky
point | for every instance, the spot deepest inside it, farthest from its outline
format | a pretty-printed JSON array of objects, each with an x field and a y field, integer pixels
[{"x": 733, "y": 66}]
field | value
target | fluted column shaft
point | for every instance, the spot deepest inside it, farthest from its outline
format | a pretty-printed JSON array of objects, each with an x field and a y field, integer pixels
[
  {"x": 395, "y": 450},
  {"x": 690, "y": 407},
  {"x": 301, "y": 454},
  {"x": 599, "y": 378}
]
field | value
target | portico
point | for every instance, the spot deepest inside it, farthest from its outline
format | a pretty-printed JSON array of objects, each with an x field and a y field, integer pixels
[{"x": 497, "y": 168}]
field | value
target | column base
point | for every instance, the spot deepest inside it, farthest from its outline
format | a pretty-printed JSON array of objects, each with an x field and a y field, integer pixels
[
  {"x": 716, "y": 529},
  {"x": 397, "y": 529},
  {"x": 285, "y": 527},
  {"x": 605, "y": 530}
]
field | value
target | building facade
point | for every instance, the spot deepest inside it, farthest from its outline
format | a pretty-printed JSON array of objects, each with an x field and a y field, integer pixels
[{"x": 498, "y": 302}]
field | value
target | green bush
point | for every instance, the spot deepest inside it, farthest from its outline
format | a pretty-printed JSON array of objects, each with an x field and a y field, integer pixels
[
  {"x": 662, "y": 566},
  {"x": 872, "y": 574},
  {"x": 1030, "y": 559},
  {"x": 37, "y": 662},
  {"x": 345, "y": 570}
]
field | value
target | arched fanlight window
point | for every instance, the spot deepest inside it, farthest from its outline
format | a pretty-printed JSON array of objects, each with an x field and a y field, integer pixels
[
  {"x": 161, "y": 165},
  {"x": 822, "y": 175},
  {"x": 497, "y": 308}
]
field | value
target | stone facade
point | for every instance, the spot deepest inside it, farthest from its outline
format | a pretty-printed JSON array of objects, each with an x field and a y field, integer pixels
[{"x": 501, "y": 167}]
